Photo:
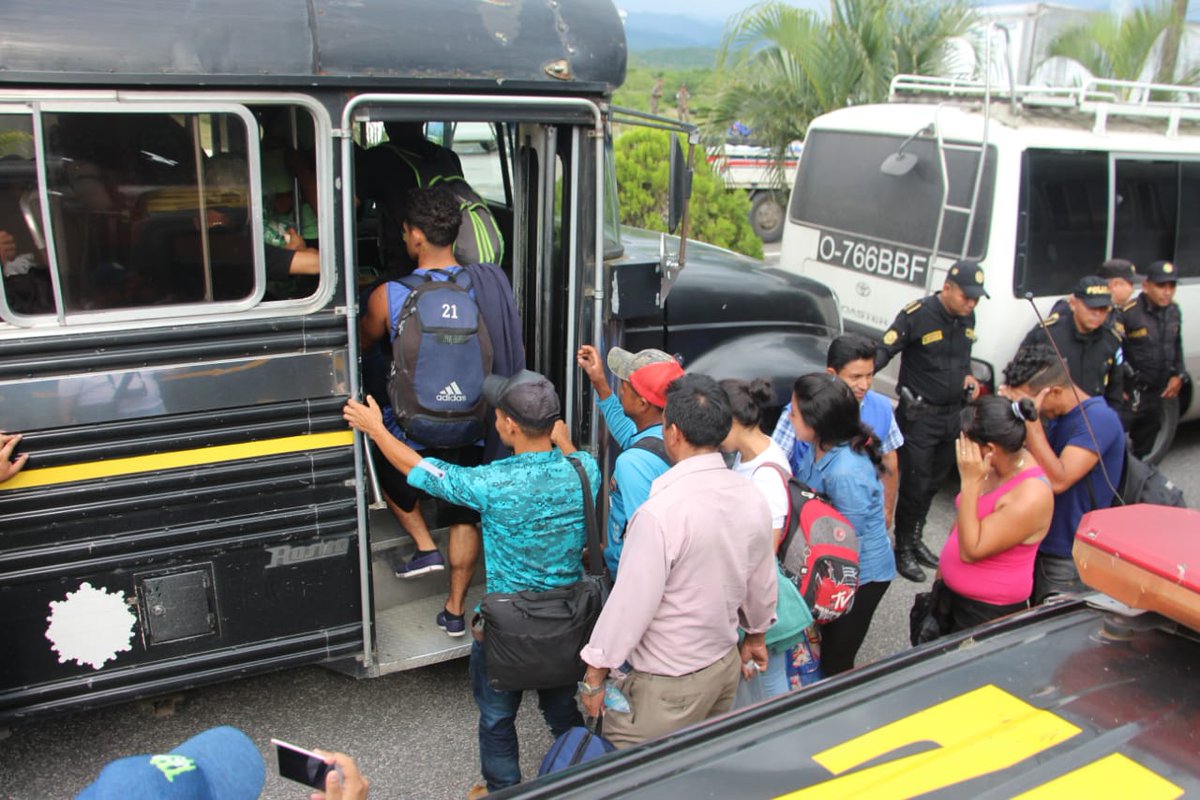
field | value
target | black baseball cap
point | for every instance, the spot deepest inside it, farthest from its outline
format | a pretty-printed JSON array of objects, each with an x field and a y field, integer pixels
[
  {"x": 528, "y": 397},
  {"x": 1093, "y": 291},
  {"x": 968, "y": 276},
  {"x": 1118, "y": 268},
  {"x": 1162, "y": 272}
]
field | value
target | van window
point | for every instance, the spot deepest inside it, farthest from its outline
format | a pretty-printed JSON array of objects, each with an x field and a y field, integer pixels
[
  {"x": 1062, "y": 220},
  {"x": 1187, "y": 237},
  {"x": 840, "y": 187},
  {"x": 149, "y": 209}
]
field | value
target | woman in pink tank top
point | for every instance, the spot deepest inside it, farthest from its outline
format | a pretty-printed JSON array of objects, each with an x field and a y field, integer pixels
[{"x": 1004, "y": 511}]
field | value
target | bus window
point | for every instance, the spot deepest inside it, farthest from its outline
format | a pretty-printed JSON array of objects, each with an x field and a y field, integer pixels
[
  {"x": 1064, "y": 220},
  {"x": 154, "y": 209},
  {"x": 480, "y": 154},
  {"x": 25, "y": 274},
  {"x": 132, "y": 226},
  {"x": 840, "y": 188}
]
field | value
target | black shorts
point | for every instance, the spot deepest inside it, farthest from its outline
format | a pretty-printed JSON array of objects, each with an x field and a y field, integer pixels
[{"x": 395, "y": 484}]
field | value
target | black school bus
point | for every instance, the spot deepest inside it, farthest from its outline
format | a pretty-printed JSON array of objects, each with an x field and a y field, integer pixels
[{"x": 193, "y": 507}]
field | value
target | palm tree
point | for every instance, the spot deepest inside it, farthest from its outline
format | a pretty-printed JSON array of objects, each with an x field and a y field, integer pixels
[
  {"x": 779, "y": 67},
  {"x": 1115, "y": 47}
]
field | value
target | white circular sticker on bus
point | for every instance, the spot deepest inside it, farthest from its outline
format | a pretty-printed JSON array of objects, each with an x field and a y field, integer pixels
[{"x": 90, "y": 626}]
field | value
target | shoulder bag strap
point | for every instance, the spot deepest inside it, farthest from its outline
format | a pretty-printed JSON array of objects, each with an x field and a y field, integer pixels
[{"x": 595, "y": 557}]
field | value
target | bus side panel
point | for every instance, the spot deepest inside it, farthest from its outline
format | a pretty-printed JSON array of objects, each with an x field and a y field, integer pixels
[{"x": 174, "y": 544}]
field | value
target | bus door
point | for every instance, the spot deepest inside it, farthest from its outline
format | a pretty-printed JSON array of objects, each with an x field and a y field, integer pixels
[
  {"x": 188, "y": 509},
  {"x": 534, "y": 161}
]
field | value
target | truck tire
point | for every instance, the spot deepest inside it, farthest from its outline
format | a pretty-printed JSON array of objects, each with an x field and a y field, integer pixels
[{"x": 767, "y": 216}]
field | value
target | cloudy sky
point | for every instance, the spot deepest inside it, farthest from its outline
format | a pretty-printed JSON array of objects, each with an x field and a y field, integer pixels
[{"x": 721, "y": 9}]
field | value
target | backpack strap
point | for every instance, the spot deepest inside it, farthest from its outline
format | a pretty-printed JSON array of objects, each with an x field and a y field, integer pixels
[
  {"x": 790, "y": 522},
  {"x": 595, "y": 554},
  {"x": 652, "y": 444},
  {"x": 409, "y": 159}
]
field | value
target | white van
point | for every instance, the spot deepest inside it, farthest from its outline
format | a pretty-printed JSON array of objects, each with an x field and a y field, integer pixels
[{"x": 887, "y": 197}]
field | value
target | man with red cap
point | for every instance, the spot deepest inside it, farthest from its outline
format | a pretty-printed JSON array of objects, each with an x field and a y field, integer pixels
[{"x": 634, "y": 419}]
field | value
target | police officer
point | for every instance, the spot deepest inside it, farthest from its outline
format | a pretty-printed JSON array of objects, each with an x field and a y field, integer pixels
[
  {"x": 1154, "y": 349},
  {"x": 935, "y": 335},
  {"x": 1086, "y": 339}
]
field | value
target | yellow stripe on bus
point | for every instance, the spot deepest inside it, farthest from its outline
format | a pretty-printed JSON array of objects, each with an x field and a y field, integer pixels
[{"x": 91, "y": 470}]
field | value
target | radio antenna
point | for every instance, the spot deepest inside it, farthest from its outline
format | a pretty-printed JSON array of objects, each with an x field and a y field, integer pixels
[{"x": 1074, "y": 389}]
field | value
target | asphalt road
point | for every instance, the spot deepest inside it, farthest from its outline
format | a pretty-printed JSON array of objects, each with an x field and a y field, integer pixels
[{"x": 413, "y": 732}]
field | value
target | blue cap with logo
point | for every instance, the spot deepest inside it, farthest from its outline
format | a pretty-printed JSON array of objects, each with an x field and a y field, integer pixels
[{"x": 219, "y": 764}]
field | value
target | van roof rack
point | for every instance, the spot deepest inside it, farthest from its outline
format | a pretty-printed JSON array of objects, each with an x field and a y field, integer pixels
[{"x": 1100, "y": 98}]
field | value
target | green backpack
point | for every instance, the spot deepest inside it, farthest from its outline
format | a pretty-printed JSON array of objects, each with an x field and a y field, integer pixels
[{"x": 479, "y": 239}]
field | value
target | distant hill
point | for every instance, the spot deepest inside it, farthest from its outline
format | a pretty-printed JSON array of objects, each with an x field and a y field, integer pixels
[
  {"x": 674, "y": 58},
  {"x": 652, "y": 31}
]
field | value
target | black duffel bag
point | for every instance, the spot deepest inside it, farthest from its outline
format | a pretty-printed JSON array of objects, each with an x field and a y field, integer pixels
[{"x": 531, "y": 639}]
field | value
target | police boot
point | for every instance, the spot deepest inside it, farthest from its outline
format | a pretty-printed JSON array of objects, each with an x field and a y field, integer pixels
[
  {"x": 923, "y": 553},
  {"x": 906, "y": 557}
]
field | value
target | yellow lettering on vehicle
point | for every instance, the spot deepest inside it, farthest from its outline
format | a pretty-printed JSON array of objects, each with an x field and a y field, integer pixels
[
  {"x": 1113, "y": 776},
  {"x": 977, "y": 733},
  {"x": 931, "y": 337}
]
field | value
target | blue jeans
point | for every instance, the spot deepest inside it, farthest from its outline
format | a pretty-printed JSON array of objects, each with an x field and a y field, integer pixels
[{"x": 499, "y": 756}]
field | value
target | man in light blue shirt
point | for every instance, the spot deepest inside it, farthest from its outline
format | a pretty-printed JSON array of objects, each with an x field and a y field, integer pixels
[
  {"x": 634, "y": 419},
  {"x": 852, "y": 358}
]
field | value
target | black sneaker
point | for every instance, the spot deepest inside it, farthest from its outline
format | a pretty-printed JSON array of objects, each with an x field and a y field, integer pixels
[{"x": 453, "y": 624}]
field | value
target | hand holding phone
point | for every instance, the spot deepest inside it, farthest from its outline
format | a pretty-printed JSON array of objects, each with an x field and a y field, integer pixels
[{"x": 300, "y": 765}]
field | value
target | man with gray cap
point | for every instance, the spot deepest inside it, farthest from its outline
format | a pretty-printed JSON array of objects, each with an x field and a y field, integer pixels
[
  {"x": 634, "y": 419},
  {"x": 1091, "y": 347},
  {"x": 935, "y": 335},
  {"x": 531, "y": 507}
]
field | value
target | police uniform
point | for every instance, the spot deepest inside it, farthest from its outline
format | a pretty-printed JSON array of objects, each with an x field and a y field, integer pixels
[
  {"x": 936, "y": 348},
  {"x": 1093, "y": 359},
  {"x": 1154, "y": 350}
]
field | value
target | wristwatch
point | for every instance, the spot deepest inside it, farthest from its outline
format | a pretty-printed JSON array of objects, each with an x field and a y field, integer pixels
[{"x": 590, "y": 691}]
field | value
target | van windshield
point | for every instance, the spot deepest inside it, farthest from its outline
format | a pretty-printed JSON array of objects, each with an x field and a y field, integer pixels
[{"x": 841, "y": 188}]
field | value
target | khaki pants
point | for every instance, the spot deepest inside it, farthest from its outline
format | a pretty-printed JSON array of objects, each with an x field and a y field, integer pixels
[{"x": 660, "y": 705}]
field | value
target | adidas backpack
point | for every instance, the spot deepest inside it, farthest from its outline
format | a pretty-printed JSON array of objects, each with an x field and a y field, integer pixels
[
  {"x": 441, "y": 353},
  {"x": 479, "y": 239},
  {"x": 819, "y": 551}
]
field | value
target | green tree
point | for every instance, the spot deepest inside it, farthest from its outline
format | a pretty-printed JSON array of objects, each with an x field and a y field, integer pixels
[
  {"x": 779, "y": 66},
  {"x": 717, "y": 216},
  {"x": 1111, "y": 46}
]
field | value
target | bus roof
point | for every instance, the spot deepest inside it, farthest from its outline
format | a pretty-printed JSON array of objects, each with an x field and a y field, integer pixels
[{"x": 563, "y": 46}]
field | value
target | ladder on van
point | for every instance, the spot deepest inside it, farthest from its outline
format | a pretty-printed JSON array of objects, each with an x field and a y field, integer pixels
[{"x": 980, "y": 151}]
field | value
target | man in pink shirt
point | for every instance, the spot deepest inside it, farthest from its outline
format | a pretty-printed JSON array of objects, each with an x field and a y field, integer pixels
[{"x": 697, "y": 563}]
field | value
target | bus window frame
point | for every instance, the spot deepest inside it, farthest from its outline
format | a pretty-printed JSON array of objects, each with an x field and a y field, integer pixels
[{"x": 35, "y": 103}]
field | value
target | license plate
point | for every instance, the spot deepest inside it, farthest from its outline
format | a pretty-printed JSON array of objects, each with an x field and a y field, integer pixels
[{"x": 872, "y": 258}]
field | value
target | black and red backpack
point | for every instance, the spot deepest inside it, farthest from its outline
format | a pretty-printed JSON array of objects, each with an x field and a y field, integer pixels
[{"x": 819, "y": 551}]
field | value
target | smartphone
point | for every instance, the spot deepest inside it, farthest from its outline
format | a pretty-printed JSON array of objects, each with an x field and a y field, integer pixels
[{"x": 300, "y": 765}]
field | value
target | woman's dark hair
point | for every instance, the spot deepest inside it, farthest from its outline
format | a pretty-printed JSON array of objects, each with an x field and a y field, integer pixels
[
  {"x": 996, "y": 420},
  {"x": 828, "y": 406},
  {"x": 747, "y": 399},
  {"x": 699, "y": 407}
]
